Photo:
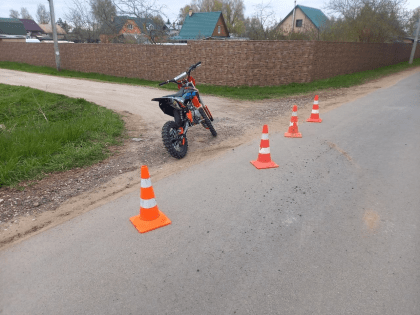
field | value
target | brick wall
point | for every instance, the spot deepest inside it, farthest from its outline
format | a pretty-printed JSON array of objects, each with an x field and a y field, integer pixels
[
  {"x": 223, "y": 62},
  {"x": 333, "y": 58}
]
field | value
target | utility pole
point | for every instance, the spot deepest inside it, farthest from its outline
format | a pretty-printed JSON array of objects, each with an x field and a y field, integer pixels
[
  {"x": 416, "y": 38},
  {"x": 294, "y": 15},
  {"x": 54, "y": 29}
]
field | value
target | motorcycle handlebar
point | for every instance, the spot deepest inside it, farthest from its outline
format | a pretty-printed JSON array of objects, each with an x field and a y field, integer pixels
[
  {"x": 182, "y": 74},
  {"x": 193, "y": 67}
]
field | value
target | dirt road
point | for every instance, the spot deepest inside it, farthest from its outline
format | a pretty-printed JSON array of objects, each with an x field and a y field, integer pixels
[{"x": 60, "y": 197}]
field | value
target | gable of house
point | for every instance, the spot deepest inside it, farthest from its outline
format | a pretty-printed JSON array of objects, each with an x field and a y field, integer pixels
[
  {"x": 130, "y": 27},
  {"x": 127, "y": 25},
  {"x": 310, "y": 17},
  {"x": 203, "y": 25},
  {"x": 12, "y": 27}
]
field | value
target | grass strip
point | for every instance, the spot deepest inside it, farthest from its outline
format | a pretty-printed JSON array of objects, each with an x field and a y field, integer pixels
[
  {"x": 42, "y": 132},
  {"x": 239, "y": 92}
]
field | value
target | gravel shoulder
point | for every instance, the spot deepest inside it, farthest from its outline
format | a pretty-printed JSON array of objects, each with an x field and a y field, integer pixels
[{"x": 62, "y": 196}]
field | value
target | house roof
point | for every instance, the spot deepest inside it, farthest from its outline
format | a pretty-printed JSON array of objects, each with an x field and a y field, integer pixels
[
  {"x": 11, "y": 26},
  {"x": 30, "y": 25},
  {"x": 316, "y": 16},
  {"x": 47, "y": 29},
  {"x": 201, "y": 24},
  {"x": 119, "y": 22}
]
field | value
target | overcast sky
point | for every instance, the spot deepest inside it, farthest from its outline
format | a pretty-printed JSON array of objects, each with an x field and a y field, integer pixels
[{"x": 281, "y": 7}]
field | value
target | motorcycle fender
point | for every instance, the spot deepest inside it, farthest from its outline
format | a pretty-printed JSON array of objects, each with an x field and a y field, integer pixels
[{"x": 166, "y": 108}]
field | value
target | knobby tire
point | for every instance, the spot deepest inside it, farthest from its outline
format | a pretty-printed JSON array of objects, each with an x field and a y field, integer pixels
[{"x": 169, "y": 136}]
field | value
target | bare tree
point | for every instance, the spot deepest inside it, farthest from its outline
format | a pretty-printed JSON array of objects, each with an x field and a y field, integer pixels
[
  {"x": 263, "y": 23},
  {"x": 265, "y": 14},
  {"x": 83, "y": 23},
  {"x": 14, "y": 14},
  {"x": 25, "y": 14},
  {"x": 42, "y": 15},
  {"x": 208, "y": 5},
  {"x": 139, "y": 8},
  {"x": 103, "y": 10}
]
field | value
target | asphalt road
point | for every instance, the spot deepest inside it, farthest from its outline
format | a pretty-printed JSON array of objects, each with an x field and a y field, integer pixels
[{"x": 333, "y": 230}]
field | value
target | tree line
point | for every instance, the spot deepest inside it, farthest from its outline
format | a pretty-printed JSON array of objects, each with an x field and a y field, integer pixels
[{"x": 369, "y": 21}]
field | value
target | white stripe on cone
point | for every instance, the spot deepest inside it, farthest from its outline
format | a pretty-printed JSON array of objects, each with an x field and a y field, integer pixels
[
  {"x": 264, "y": 136},
  {"x": 146, "y": 183},
  {"x": 316, "y": 102},
  {"x": 264, "y": 150},
  {"x": 315, "y": 111},
  {"x": 294, "y": 113},
  {"x": 147, "y": 203}
]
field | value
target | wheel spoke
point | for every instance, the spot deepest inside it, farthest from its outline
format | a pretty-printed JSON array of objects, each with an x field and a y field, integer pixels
[{"x": 174, "y": 141}]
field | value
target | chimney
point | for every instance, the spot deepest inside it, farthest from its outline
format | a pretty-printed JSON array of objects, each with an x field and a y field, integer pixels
[{"x": 190, "y": 12}]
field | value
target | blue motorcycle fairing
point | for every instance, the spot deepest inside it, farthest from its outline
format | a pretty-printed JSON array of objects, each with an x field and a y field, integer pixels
[{"x": 190, "y": 95}]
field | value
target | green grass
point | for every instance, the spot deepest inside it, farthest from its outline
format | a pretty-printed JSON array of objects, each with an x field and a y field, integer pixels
[
  {"x": 43, "y": 132},
  {"x": 240, "y": 92}
]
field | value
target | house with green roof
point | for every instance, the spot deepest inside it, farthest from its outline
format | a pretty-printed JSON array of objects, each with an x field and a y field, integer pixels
[
  {"x": 12, "y": 29},
  {"x": 203, "y": 25},
  {"x": 303, "y": 19}
]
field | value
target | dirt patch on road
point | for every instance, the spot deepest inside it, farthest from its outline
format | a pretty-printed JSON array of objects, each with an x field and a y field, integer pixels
[
  {"x": 62, "y": 196},
  {"x": 371, "y": 219}
]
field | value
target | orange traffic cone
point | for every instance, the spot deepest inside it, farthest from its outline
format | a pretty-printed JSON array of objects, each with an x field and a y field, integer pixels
[
  {"x": 264, "y": 157},
  {"x": 150, "y": 217},
  {"x": 293, "y": 127},
  {"x": 315, "y": 112}
]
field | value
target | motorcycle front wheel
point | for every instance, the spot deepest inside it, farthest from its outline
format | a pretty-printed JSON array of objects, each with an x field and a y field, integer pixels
[{"x": 176, "y": 145}]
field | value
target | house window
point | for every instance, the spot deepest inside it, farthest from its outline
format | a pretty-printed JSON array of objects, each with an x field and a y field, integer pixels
[
  {"x": 130, "y": 26},
  {"x": 218, "y": 29},
  {"x": 299, "y": 23}
]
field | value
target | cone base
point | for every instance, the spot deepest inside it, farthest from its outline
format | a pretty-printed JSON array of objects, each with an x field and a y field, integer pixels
[
  {"x": 146, "y": 226},
  {"x": 261, "y": 165},
  {"x": 293, "y": 135},
  {"x": 316, "y": 120}
]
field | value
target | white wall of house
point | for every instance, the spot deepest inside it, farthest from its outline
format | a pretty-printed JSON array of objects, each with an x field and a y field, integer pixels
[{"x": 307, "y": 24}]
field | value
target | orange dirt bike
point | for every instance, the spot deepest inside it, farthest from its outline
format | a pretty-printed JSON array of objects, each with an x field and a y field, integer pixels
[{"x": 187, "y": 108}]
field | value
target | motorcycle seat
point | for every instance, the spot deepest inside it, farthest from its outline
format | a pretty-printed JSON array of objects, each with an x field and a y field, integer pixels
[{"x": 177, "y": 94}]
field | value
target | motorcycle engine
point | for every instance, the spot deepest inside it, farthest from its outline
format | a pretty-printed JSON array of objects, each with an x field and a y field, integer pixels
[{"x": 195, "y": 113}]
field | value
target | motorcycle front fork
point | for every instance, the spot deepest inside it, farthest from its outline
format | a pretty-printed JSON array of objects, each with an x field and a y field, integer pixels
[{"x": 183, "y": 131}]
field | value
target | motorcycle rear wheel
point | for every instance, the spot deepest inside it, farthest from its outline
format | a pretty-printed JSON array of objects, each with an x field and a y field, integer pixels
[
  {"x": 176, "y": 145},
  {"x": 207, "y": 122}
]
